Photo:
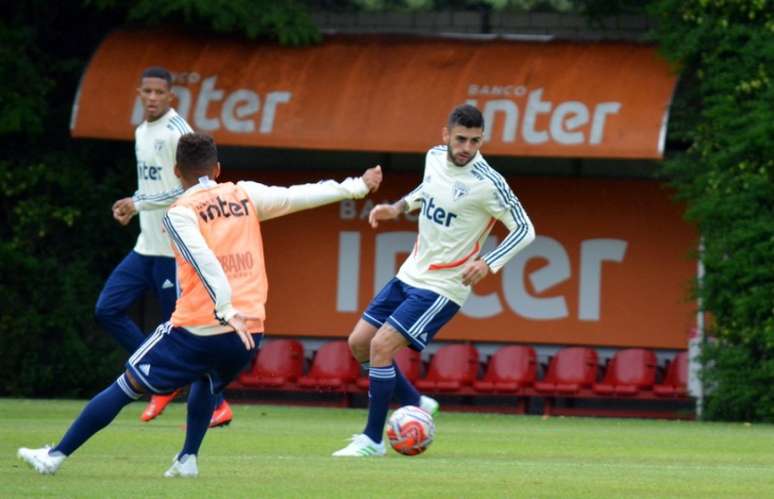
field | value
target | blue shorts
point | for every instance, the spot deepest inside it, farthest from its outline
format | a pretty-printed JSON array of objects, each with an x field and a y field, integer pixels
[
  {"x": 416, "y": 313},
  {"x": 173, "y": 357}
]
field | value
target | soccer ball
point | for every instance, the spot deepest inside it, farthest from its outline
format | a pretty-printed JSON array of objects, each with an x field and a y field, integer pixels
[{"x": 410, "y": 430}]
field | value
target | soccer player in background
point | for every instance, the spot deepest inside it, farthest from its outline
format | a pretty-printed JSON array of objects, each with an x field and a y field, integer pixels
[
  {"x": 460, "y": 198},
  {"x": 151, "y": 264},
  {"x": 218, "y": 319}
]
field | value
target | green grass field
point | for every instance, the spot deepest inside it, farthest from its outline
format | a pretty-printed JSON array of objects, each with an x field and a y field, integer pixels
[{"x": 274, "y": 451}]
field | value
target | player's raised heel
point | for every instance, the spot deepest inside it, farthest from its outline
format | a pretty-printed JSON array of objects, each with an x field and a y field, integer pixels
[
  {"x": 184, "y": 467},
  {"x": 41, "y": 460},
  {"x": 429, "y": 405},
  {"x": 361, "y": 446}
]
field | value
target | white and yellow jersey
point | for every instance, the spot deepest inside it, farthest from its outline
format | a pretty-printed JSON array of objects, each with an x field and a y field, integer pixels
[
  {"x": 459, "y": 207},
  {"x": 157, "y": 186}
]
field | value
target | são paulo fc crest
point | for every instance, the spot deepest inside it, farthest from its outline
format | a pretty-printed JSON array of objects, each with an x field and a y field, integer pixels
[
  {"x": 459, "y": 191},
  {"x": 158, "y": 145}
]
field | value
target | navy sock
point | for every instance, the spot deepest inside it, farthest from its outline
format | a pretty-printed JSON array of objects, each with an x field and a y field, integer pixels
[
  {"x": 407, "y": 394},
  {"x": 219, "y": 399},
  {"x": 97, "y": 414},
  {"x": 201, "y": 403},
  {"x": 381, "y": 385}
]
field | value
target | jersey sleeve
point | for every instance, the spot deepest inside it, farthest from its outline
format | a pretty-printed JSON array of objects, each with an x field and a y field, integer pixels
[
  {"x": 273, "y": 201},
  {"x": 183, "y": 229},
  {"x": 503, "y": 205},
  {"x": 144, "y": 202},
  {"x": 177, "y": 127},
  {"x": 413, "y": 199}
]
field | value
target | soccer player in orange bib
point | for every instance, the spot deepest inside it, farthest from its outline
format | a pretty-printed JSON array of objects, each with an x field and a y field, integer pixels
[{"x": 217, "y": 324}]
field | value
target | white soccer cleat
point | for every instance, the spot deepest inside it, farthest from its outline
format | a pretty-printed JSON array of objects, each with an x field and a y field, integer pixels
[
  {"x": 185, "y": 467},
  {"x": 429, "y": 405},
  {"x": 41, "y": 460},
  {"x": 361, "y": 446}
]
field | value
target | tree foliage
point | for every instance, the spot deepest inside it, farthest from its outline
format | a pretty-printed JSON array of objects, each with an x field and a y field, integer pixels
[
  {"x": 418, "y": 5},
  {"x": 725, "y": 117},
  {"x": 287, "y": 21},
  {"x": 59, "y": 241}
]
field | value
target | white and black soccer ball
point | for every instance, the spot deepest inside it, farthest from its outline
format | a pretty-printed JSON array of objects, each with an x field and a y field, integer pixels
[{"x": 410, "y": 430}]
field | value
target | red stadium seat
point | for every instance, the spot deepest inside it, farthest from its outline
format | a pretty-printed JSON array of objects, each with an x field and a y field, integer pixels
[
  {"x": 676, "y": 379},
  {"x": 333, "y": 368},
  {"x": 451, "y": 368},
  {"x": 279, "y": 363},
  {"x": 510, "y": 369},
  {"x": 409, "y": 362},
  {"x": 628, "y": 372},
  {"x": 569, "y": 371}
]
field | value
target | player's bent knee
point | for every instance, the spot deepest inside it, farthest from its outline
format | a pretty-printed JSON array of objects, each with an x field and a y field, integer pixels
[
  {"x": 359, "y": 347},
  {"x": 386, "y": 344},
  {"x": 359, "y": 340}
]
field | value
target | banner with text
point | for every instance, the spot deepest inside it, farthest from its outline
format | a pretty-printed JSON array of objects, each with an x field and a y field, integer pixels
[
  {"x": 392, "y": 94},
  {"x": 611, "y": 265}
]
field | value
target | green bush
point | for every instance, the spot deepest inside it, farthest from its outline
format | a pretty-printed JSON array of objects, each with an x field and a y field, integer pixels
[
  {"x": 59, "y": 242},
  {"x": 723, "y": 115}
]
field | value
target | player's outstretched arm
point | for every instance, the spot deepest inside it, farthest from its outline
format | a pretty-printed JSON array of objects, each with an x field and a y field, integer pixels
[
  {"x": 272, "y": 201},
  {"x": 386, "y": 212}
]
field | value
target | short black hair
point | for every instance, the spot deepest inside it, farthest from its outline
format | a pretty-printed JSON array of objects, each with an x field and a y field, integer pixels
[
  {"x": 467, "y": 116},
  {"x": 158, "y": 72},
  {"x": 196, "y": 154}
]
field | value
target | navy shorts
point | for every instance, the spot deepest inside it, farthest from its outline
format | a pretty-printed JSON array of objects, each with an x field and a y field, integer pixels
[
  {"x": 416, "y": 313},
  {"x": 173, "y": 357}
]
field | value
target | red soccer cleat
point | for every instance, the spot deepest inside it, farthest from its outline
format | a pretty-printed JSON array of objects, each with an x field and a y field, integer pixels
[
  {"x": 222, "y": 415},
  {"x": 157, "y": 405}
]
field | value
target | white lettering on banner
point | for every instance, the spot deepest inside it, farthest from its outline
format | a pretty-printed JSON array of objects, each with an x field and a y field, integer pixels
[
  {"x": 388, "y": 246},
  {"x": 593, "y": 253},
  {"x": 240, "y": 104},
  {"x": 207, "y": 94},
  {"x": 186, "y": 78},
  {"x": 347, "y": 210},
  {"x": 558, "y": 269},
  {"x": 349, "y": 271},
  {"x": 272, "y": 100},
  {"x": 567, "y": 121},
  {"x": 517, "y": 90},
  {"x": 238, "y": 114}
]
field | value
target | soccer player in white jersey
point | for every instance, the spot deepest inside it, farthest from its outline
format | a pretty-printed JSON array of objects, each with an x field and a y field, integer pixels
[
  {"x": 151, "y": 264},
  {"x": 460, "y": 199}
]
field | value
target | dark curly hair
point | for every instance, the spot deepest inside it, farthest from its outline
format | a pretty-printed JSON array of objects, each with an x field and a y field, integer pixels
[{"x": 196, "y": 154}]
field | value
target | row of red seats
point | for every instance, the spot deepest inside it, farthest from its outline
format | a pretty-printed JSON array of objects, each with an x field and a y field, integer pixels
[{"x": 453, "y": 369}]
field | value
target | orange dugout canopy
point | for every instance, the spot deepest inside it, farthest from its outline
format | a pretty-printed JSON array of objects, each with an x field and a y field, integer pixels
[
  {"x": 610, "y": 266},
  {"x": 389, "y": 94}
]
